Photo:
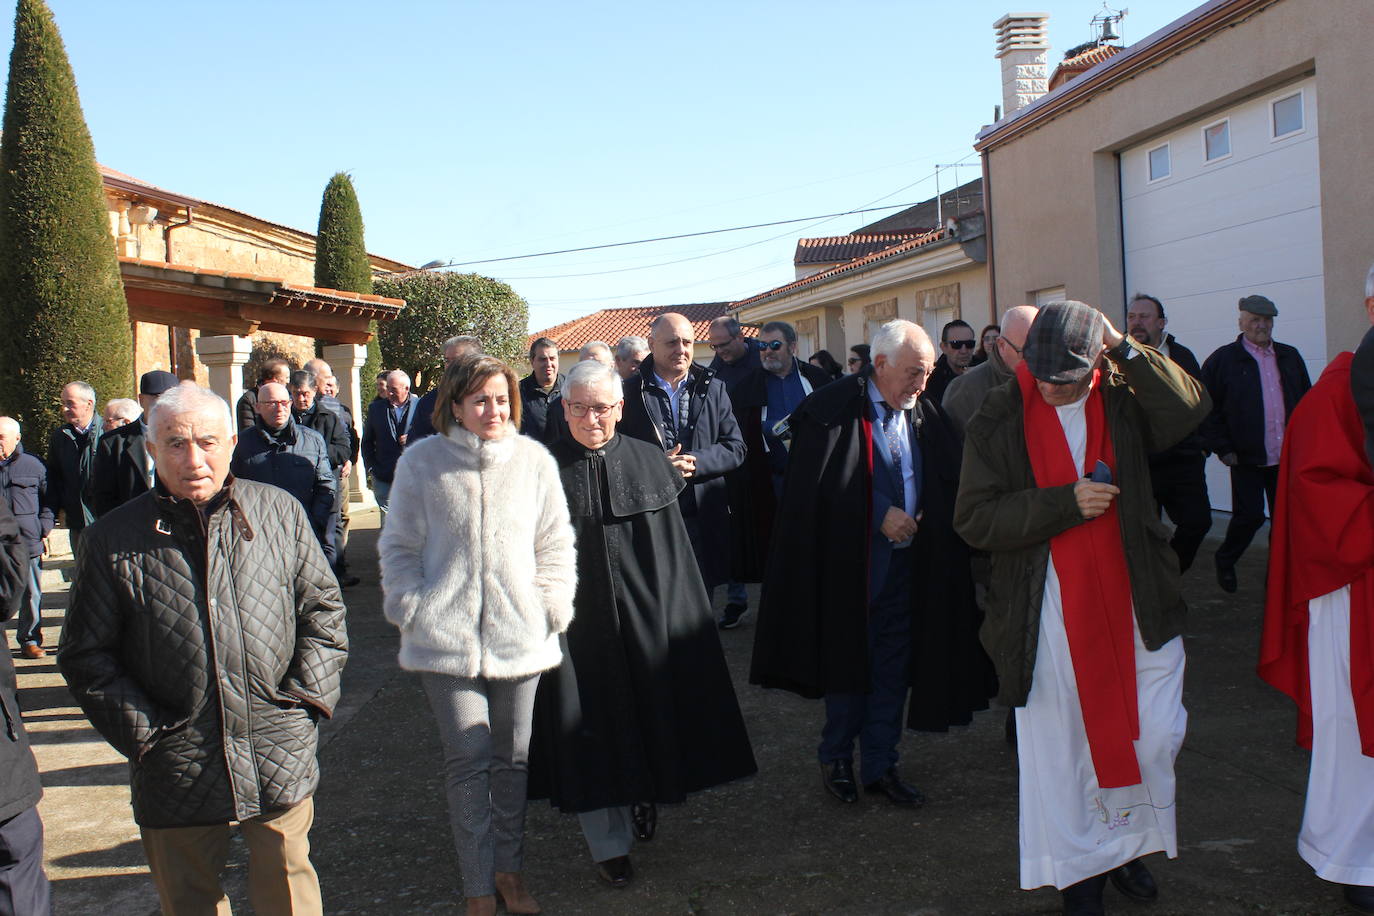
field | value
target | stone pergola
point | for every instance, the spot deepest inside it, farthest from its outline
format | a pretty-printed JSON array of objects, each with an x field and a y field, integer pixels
[{"x": 226, "y": 307}]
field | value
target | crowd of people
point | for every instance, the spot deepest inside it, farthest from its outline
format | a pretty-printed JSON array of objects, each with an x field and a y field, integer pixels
[{"x": 929, "y": 533}]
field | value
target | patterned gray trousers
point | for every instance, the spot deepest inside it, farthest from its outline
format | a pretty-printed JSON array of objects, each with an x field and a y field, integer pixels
[{"x": 485, "y": 729}]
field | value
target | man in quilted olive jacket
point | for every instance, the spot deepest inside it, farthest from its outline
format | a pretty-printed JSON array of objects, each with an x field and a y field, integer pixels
[{"x": 205, "y": 638}]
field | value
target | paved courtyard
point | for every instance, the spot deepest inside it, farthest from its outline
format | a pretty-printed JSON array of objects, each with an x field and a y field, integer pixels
[{"x": 773, "y": 844}]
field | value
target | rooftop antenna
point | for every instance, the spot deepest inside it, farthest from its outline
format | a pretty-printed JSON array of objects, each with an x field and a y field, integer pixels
[{"x": 1107, "y": 24}]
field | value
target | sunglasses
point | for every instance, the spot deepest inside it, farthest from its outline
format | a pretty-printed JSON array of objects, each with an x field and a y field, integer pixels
[
  {"x": 854, "y": 359},
  {"x": 773, "y": 345},
  {"x": 961, "y": 344}
]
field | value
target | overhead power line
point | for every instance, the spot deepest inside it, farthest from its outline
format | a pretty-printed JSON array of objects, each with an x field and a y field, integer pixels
[{"x": 684, "y": 235}]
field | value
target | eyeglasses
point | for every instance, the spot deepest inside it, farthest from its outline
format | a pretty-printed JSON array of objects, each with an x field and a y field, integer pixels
[
  {"x": 732, "y": 339},
  {"x": 275, "y": 403},
  {"x": 773, "y": 345},
  {"x": 961, "y": 344},
  {"x": 854, "y": 359},
  {"x": 1014, "y": 347},
  {"x": 596, "y": 410}
]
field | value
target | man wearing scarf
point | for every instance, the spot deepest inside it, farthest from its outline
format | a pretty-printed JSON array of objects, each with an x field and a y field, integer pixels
[
  {"x": 1084, "y": 611},
  {"x": 1318, "y": 643}
]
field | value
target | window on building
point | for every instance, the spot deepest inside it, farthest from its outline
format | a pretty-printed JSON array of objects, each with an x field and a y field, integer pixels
[
  {"x": 1287, "y": 115},
  {"x": 1216, "y": 140},
  {"x": 1044, "y": 297},
  {"x": 1159, "y": 162}
]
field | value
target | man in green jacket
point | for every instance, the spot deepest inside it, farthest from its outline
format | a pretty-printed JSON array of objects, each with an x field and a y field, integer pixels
[{"x": 1084, "y": 610}]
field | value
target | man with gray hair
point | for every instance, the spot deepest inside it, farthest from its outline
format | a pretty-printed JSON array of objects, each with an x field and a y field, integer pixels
[
  {"x": 556, "y": 425},
  {"x": 123, "y": 465},
  {"x": 455, "y": 348},
  {"x": 326, "y": 396},
  {"x": 286, "y": 453},
  {"x": 24, "y": 483},
  {"x": 204, "y": 639},
  {"x": 598, "y": 350},
  {"x": 629, "y": 353},
  {"x": 868, "y": 594},
  {"x": 119, "y": 412},
  {"x": 1084, "y": 611},
  {"x": 386, "y": 432},
  {"x": 71, "y": 457},
  {"x": 642, "y": 711}
]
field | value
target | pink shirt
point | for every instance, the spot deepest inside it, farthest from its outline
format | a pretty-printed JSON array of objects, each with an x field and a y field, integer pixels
[{"x": 1272, "y": 390}]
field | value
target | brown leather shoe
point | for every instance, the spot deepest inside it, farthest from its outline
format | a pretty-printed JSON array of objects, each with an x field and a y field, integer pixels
[
  {"x": 511, "y": 889},
  {"x": 32, "y": 650}
]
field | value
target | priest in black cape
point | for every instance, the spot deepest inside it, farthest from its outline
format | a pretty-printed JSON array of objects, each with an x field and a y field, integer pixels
[
  {"x": 859, "y": 612},
  {"x": 642, "y": 710}
]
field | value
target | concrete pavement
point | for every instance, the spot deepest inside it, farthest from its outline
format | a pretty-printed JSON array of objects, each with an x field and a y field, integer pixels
[{"x": 770, "y": 845}]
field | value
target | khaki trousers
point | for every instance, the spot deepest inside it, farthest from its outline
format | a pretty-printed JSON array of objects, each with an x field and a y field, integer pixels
[{"x": 186, "y": 863}]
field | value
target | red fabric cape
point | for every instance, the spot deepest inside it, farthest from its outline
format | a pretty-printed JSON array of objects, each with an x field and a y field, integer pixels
[
  {"x": 1095, "y": 586},
  {"x": 1323, "y": 540}
]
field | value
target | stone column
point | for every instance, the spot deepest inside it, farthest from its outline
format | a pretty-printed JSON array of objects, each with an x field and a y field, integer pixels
[
  {"x": 225, "y": 357},
  {"x": 346, "y": 360}
]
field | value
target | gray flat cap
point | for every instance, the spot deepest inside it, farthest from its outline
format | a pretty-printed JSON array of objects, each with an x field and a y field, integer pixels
[
  {"x": 1064, "y": 342},
  {"x": 1258, "y": 305}
]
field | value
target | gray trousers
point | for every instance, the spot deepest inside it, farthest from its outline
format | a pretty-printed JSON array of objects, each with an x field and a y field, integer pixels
[
  {"x": 608, "y": 831},
  {"x": 485, "y": 729}
]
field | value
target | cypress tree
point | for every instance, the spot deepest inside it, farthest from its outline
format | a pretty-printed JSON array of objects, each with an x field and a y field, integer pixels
[
  {"x": 341, "y": 259},
  {"x": 61, "y": 298}
]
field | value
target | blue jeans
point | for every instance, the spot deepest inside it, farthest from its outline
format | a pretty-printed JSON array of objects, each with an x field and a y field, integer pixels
[
  {"x": 737, "y": 593},
  {"x": 382, "y": 490},
  {"x": 875, "y": 717},
  {"x": 30, "y": 610}
]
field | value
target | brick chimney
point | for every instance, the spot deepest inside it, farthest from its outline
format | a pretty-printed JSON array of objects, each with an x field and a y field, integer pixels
[{"x": 1022, "y": 46}]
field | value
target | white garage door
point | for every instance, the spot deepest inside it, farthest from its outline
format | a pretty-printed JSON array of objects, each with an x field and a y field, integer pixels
[{"x": 1225, "y": 207}]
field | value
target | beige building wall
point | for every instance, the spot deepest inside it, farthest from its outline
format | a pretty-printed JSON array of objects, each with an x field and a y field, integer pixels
[
  {"x": 843, "y": 321},
  {"x": 219, "y": 239},
  {"x": 1056, "y": 215}
]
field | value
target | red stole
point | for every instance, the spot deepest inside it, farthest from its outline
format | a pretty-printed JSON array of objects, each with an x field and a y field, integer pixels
[
  {"x": 1323, "y": 540},
  {"x": 1094, "y": 584}
]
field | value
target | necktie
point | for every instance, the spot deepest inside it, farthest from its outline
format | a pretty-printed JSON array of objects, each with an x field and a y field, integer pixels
[{"x": 894, "y": 448}]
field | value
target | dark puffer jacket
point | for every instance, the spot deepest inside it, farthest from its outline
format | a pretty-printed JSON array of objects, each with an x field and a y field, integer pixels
[
  {"x": 203, "y": 647},
  {"x": 296, "y": 459}
]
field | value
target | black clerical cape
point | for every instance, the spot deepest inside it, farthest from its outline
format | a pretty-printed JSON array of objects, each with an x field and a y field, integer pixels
[
  {"x": 812, "y": 632},
  {"x": 642, "y": 708}
]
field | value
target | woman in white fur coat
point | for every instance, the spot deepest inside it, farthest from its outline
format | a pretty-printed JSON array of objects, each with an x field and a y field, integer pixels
[{"x": 478, "y": 571}]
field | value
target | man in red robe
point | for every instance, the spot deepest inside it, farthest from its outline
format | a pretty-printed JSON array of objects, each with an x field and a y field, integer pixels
[{"x": 1318, "y": 644}]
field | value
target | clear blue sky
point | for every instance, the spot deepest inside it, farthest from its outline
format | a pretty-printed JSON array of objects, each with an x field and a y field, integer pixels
[{"x": 485, "y": 129}]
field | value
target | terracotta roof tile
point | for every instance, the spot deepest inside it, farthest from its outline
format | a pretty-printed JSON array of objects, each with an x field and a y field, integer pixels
[
  {"x": 834, "y": 248},
  {"x": 1071, "y": 67},
  {"x": 259, "y": 278},
  {"x": 609, "y": 325},
  {"x": 921, "y": 241}
]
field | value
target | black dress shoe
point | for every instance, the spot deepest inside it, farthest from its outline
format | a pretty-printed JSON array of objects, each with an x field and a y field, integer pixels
[
  {"x": 1226, "y": 578},
  {"x": 1134, "y": 880},
  {"x": 897, "y": 792},
  {"x": 838, "y": 779},
  {"x": 616, "y": 872},
  {"x": 1360, "y": 897},
  {"x": 645, "y": 817},
  {"x": 1085, "y": 897},
  {"x": 732, "y": 616}
]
